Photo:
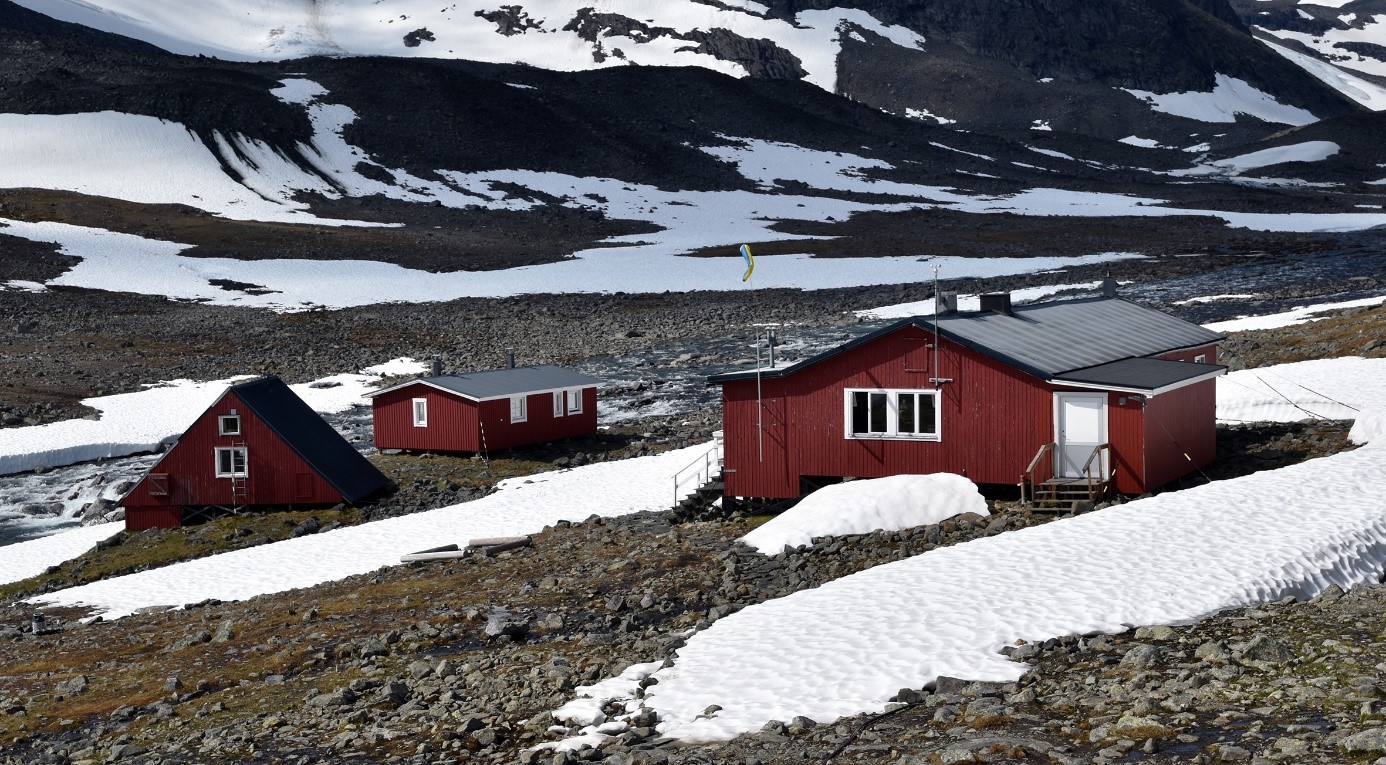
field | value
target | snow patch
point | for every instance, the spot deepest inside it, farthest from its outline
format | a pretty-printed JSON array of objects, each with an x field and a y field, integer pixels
[
  {"x": 1331, "y": 389},
  {"x": 860, "y": 507},
  {"x": 1228, "y": 98},
  {"x": 1294, "y": 316}
]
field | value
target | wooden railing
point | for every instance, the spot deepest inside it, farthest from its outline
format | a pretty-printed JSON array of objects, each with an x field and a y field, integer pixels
[
  {"x": 1103, "y": 470},
  {"x": 1027, "y": 479}
]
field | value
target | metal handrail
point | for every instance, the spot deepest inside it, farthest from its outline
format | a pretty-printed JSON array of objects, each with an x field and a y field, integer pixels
[
  {"x": 1102, "y": 466},
  {"x": 702, "y": 466}
]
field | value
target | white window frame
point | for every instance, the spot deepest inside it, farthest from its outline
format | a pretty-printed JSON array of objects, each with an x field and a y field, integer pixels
[
  {"x": 557, "y": 404},
  {"x": 519, "y": 408},
  {"x": 574, "y": 398},
  {"x": 225, "y": 431},
  {"x": 892, "y": 431},
  {"x": 232, "y": 473},
  {"x": 420, "y": 409},
  {"x": 1201, "y": 359}
]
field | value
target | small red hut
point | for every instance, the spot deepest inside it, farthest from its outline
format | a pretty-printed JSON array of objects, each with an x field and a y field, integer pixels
[
  {"x": 485, "y": 411},
  {"x": 258, "y": 446},
  {"x": 1055, "y": 396}
]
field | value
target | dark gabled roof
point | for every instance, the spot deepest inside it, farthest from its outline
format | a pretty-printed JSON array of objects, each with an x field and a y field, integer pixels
[
  {"x": 308, "y": 434},
  {"x": 500, "y": 383},
  {"x": 1141, "y": 375},
  {"x": 1044, "y": 339}
]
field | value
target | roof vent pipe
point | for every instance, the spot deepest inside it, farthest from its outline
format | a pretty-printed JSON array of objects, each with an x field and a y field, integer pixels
[
  {"x": 435, "y": 367},
  {"x": 1000, "y": 302},
  {"x": 945, "y": 303},
  {"x": 1109, "y": 287},
  {"x": 510, "y": 357}
]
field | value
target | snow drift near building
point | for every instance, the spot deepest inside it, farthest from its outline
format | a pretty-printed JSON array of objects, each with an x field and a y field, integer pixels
[{"x": 860, "y": 507}]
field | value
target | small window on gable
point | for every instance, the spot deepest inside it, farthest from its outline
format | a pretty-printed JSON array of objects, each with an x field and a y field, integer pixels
[
  {"x": 420, "y": 412},
  {"x": 558, "y": 404},
  {"x": 575, "y": 401},
  {"x": 1200, "y": 359},
  {"x": 519, "y": 409},
  {"x": 158, "y": 484},
  {"x": 229, "y": 425}
]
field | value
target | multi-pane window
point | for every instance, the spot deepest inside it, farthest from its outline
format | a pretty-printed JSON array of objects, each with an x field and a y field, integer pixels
[
  {"x": 229, "y": 425},
  {"x": 420, "y": 412},
  {"x": 230, "y": 461},
  {"x": 519, "y": 410},
  {"x": 558, "y": 404},
  {"x": 575, "y": 401},
  {"x": 893, "y": 414}
]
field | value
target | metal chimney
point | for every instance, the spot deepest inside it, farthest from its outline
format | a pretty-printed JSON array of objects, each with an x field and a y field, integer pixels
[
  {"x": 510, "y": 357},
  {"x": 435, "y": 367},
  {"x": 1000, "y": 302},
  {"x": 1109, "y": 287}
]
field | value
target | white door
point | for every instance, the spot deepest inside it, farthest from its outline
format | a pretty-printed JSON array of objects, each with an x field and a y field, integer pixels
[{"x": 1080, "y": 424}]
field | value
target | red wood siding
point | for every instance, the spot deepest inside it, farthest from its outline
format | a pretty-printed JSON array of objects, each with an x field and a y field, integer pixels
[
  {"x": 141, "y": 518},
  {"x": 457, "y": 424},
  {"x": 452, "y": 421},
  {"x": 1208, "y": 352},
  {"x": 992, "y": 419},
  {"x": 540, "y": 425},
  {"x": 1182, "y": 421},
  {"x": 1126, "y": 434},
  {"x": 276, "y": 474}
]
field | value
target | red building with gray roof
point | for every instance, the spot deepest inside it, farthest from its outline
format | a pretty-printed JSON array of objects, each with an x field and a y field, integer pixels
[
  {"x": 1066, "y": 398},
  {"x": 485, "y": 411}
]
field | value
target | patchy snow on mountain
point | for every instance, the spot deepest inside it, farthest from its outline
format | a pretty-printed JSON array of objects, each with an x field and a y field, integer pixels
[
  {"x": 1292, "y": 317},
  {"x": 1228, "y": 98},
  {"x": 565, "y": 35},
  {"x": 1369, "y": 94},
  {"x": 1371, "y": 30},
  {"x": 860, "y": 507},
  {"x": 135, "y": 158}
]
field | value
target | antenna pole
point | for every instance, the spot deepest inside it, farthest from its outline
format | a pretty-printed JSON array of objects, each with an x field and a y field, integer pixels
[
  {"x": 937, "y": 307},
  {"x": 760, "y": 406}
]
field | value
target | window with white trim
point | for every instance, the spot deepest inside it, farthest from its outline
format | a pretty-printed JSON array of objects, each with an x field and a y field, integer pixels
[
  {"x": 575, "y": 401},
  {"x": 904, "y": 414},
  {"x": 230, "y": 461},
  {"x": 420, "y": 412},
  {"x": 557, "y": 404},
  {"x": 1200, "y": 359},
  {"x": 519, "y": 408},
  {"x": 229, "y": 425}
]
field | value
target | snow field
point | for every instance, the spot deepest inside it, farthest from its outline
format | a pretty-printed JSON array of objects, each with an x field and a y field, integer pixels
[
  {"x": 25, "y": 559},
  {"x": 859, "y": 507},
  {"x": 519, "y": 506},
  {"x": 1331, "y": 389},
  {"x": 136, "y": 422},
  {"x": 1288, "y": 318}
]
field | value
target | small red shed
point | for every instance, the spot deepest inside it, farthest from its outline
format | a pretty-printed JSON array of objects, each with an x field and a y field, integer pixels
[
  {"x": 983, "y": 394},
  {"x": 258, "y": 446},
  {"x": 485, "y": 411}
]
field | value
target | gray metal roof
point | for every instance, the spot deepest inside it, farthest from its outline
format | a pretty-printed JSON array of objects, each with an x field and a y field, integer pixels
[
  {"x": 1141, "y": 375},
  {"x": 1044, "y": 339},
  {"x": 1052, "y": 338},
  {"x": 509, "y": 382},
  {"x": 499, "y": 383}
]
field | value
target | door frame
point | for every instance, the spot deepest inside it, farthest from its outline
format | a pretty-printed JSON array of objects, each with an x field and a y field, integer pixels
[{"x": 1104, "y": 436}]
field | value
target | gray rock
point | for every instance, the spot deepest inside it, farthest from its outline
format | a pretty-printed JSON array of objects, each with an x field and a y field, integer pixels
[
  {"x": 1157, "y": 632},
  {"x": 503, "y": 623},
  {"x": 1368, "y": 741},
  {"x": 74, "y": 686},
  {"x": 1141, "y": 656},
  {"x": 225, "y": 631},
  {"x": 340, "y": 697},
  {"x": 1263, "y": 649}
]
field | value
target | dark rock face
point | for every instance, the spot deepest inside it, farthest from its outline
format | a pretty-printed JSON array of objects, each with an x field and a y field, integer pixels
[{"x": 760, "y": 57}]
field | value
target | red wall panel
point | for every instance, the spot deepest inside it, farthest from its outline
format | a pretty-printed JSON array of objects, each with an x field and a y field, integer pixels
[
  {"x": 1182, "y": 421},
  {"x": 452, "y": 421}
]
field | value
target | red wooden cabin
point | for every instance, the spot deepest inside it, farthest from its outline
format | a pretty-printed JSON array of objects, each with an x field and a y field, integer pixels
[
  {"x": 258, "y": 446},
  {"x": 485, "y": 411},
  {"x": 1001, "y": 388}
]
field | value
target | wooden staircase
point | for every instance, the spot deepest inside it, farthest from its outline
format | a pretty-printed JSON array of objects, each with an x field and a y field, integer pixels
[
  {"x": 705, "y": 473},
  {"x": 1040, "y": 486}
]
